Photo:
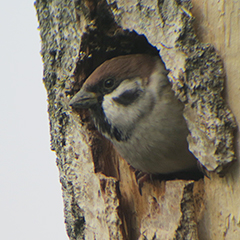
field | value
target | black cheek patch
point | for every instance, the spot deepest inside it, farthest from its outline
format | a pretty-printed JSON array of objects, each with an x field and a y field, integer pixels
[{"x": 128, "y": 97}]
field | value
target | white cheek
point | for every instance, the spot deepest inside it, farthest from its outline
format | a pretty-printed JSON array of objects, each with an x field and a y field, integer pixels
[
  {"x": 117, "y": 114},
  {"x": 125, "y": 117}
]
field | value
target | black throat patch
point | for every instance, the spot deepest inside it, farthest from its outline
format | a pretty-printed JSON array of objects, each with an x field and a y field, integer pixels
[{"x": 105, "y": 127}]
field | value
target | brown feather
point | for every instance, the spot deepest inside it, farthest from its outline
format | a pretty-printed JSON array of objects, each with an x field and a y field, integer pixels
[{"x": 124, "y": 67}]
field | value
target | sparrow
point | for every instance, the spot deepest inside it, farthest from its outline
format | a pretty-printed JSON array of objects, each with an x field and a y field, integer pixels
[{"x": 132, "y": 104}]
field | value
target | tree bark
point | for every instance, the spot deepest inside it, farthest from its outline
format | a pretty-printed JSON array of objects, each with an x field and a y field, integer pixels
[
  {"x": 217, "y": 22},
  {"x": 101, "y": 197}
]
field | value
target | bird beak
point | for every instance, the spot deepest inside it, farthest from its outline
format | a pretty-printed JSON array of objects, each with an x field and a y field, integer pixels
[{"x": 84, "y": 99}]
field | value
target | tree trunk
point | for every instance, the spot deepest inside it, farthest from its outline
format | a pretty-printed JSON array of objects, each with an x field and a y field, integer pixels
[{"x": 100, "y": 193}]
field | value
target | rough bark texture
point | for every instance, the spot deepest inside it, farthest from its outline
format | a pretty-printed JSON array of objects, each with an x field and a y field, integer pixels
[
  {"x": 218, "y": 22},
  {"x": 101, "y": 197}
]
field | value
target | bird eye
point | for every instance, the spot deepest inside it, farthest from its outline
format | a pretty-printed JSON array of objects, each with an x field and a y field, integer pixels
[{"x": 108, "y": 83}]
